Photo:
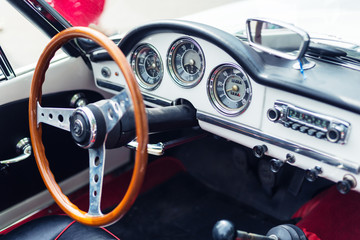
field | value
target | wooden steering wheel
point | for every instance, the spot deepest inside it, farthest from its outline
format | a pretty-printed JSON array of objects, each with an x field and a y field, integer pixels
[{"x": 89, "y": 127}]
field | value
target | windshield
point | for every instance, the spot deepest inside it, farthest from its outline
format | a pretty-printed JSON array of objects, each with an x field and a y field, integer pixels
[
  {"x": 116, "y": 16},
  {"x": 333, "y": 20}
]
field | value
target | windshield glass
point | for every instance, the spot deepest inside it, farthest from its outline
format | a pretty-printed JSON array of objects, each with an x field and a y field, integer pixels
[
  {"x": 116, "y": 16},
  {"x": 334, "y": 19}
]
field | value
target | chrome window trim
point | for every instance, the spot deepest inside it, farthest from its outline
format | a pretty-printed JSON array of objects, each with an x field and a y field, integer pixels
[{"x": 305, "y": 151}]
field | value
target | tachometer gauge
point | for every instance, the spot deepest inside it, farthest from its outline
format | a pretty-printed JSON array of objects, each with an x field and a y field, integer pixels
[
  {"x": 147, "y": 66},
  {"x": 186, "y": 62},
  {"x": 229, "y": 89}
]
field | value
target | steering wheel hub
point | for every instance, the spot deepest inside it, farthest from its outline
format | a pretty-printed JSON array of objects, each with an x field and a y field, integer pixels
[
  {"x": 78, "y": 128},
  {"x": 83, "y": 127}
]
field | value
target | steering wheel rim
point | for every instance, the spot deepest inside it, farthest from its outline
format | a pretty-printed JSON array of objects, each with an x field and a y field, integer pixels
[{"x": 140, "y": 121}]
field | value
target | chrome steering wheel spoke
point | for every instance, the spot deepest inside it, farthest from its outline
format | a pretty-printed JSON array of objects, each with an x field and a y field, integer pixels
[
  {"x": 82, "y": 120},
  {"x": 56, "y": 117},
  {"x": 96, "y": 174}
]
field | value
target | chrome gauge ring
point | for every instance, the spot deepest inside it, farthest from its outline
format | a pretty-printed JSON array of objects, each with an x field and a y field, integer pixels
[
  {"x": 147, "y": 66},
  {"x": 229, "y": 89},
  {"x": 186, "y": 62}
]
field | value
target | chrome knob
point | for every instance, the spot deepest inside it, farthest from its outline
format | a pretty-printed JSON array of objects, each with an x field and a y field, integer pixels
[
  {"x": 312, "y": 174},
  {"x": 334, "y": 133},
  {"x": 273, "y": 114},
  {"x": 276, "y": 165},
  {"x": 259, "y": 150}
]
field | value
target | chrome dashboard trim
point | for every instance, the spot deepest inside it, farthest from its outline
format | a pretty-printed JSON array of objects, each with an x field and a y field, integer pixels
[
  {"x": 305, "y": 151},
  {"x": 155, "y": 100}
]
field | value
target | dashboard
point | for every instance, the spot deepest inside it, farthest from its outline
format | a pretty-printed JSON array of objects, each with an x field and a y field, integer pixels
[{"x": 243, "y": 95}]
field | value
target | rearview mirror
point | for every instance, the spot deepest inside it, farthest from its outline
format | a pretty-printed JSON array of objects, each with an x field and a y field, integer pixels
[{"x": 277, "y": 38}]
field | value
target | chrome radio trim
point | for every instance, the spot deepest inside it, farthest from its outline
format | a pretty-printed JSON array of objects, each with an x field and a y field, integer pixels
[
  {"x": 334, "y": 123},
  {"x": 303, "y": 150}
]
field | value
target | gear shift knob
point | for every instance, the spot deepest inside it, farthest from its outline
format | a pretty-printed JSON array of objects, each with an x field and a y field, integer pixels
[{"x": 224, "y": 230}]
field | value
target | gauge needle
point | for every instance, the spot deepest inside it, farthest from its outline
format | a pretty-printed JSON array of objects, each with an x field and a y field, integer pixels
[
  {"x": 234, "y": 88},
  {"x": 152, "y": 66}
]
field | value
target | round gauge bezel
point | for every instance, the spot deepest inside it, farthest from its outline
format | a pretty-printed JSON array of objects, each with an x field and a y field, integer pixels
[
  {"x": 214, "y": 98},
  {"x": 134, "y": 65},
  {"x": 171, "y": 60}
]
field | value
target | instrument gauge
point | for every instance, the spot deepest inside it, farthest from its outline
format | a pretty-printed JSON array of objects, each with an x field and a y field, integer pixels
[
  {"x": 186, "y": 62},
  {"x": 147, "y": 66},
  {"x": 229, "y": 89}
]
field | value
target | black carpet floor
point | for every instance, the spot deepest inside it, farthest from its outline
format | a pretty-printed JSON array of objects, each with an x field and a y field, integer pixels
[{"x": 183, "y": 208}]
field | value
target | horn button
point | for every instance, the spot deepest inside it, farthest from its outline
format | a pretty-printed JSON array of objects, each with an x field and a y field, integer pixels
[{"x": 87, "y": 127}]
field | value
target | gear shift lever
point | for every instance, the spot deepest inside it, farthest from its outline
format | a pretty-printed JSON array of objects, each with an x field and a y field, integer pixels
[{"x": 225, "y": 230}]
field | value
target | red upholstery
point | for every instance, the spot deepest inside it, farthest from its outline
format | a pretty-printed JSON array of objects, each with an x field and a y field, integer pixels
[{"x": 331, "y": 215}]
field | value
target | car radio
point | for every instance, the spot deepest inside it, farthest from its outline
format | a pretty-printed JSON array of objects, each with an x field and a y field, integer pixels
[{"x": 314, "y": 124}]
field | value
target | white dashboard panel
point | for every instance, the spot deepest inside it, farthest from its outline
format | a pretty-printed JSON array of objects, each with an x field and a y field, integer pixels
[
  {"x": 198, "y": 96},
  {"x": 252, "y": 127}
]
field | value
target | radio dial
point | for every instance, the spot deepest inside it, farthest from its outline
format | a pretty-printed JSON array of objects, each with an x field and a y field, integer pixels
[
  {"x": 334, "y": 133},
  {"x": 273, "y": 114}
]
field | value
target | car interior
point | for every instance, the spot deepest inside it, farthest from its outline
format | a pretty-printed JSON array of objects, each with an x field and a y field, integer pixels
[{"x": 179, "y": 130}]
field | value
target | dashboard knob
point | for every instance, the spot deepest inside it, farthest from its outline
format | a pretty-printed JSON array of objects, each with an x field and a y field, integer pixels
[
  {"x": 276, "y": 165},
  {"x": 312, "y": 174},
  {"x": 334, "y": 134},
  {"x": 106, "y": 72},
  {"x": 273, "y": 114},
  {"x": 260, "y": 150},
  {"x": 346, "y": 184},
  {"x": 290, "y": 158}
]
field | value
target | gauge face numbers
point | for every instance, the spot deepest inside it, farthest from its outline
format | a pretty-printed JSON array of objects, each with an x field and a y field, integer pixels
[
  {"x": 229, "y": 89},
  {"x": 186, "y": 62},
  {"x": 147, "y": 66}
]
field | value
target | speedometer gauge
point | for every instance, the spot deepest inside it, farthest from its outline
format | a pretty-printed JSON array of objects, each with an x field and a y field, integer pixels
[
  {"x": 147, "y": 66},
  {"x": 229, "y": 89},
  {"x": 186, "y": 62}
]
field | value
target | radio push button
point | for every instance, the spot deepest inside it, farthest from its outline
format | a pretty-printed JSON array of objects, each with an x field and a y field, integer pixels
[
  {"x": 287, "y": 124},
  {"x": 311, "y": 132},
  {"x": 303, "y": 129},
  {"x": 295, "y": 126},
  {"x": 320, "y": 135}
]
